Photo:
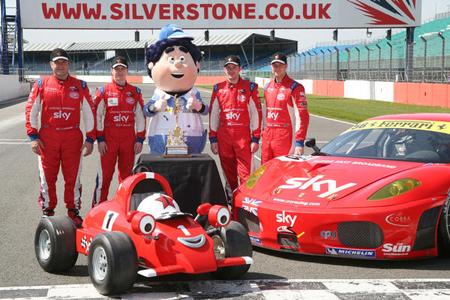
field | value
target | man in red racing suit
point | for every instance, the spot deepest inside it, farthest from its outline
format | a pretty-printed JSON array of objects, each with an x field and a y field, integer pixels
[
  {"x": 120, "y": 128},
  {"x": 56, "y": 103},
  {"x": 235, "y": 123},
  {"x": 281, "y": 95}
]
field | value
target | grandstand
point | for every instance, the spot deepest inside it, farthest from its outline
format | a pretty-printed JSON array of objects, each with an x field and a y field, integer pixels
[
  {"x": 93, "y": 58},
  {"x": 380, "y": 60}
]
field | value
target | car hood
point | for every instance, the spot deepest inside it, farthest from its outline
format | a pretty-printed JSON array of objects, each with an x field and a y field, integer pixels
[{"x": 315, "y": 180}]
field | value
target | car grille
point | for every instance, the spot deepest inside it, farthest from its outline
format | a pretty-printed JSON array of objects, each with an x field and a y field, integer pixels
[
  {"x": 360, "y": 234},
  {"x": 249, "y": 220}
]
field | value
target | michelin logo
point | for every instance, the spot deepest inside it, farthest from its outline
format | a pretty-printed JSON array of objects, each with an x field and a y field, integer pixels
[{"x": 351, "y": 252}]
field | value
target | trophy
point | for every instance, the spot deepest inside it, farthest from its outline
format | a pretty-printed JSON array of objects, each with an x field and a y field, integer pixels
[{"x": 175, "y": 145}]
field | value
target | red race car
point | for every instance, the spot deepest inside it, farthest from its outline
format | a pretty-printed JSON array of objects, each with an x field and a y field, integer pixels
[
  {"x": 142, "y": 231},
  {"x": 380, "y": 190}
]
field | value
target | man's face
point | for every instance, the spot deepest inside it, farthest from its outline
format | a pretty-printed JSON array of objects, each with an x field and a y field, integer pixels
[
  {"x": 279, "y": 69},
  {"x": 119, "y": 74},
  {"x": 175, "y": 71},
  {"x": 60, "y": 68},
  {"x": 232, "y": 72}
]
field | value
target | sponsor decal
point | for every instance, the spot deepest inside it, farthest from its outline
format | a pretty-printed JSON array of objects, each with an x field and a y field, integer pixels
[
  {"x": 255, "y": 240},
  {"x": 86, "y": 243},
  {"x": 272, "y": 115},
  {"x": 109, "y": 219},
  {"x": 399, "y": 220},
  {"x": 130, "y": 100},
  {"x": 328, "y": 234},
  {"x": 121, "y": 118},
  {"x": 113, "y": 101},
  {"x": 251, "y": 205},
  {"x": 297, "y": 202},
  {"x": 350, "y": 252},
  {"x": 435, "y": 126},
  {"x": 74, "y": 95},
  {"x": 284, "y": 218},
  {"x": 61, "y": 115},
  {"x": 356, "y": 163},
  {"x": 316, "y": 184},
  {"x": 396, "y": 249},
  {"x": 241, "y": 98},
  {"x": 281, "y": 97},
  {"x": 233, "y": 116}
]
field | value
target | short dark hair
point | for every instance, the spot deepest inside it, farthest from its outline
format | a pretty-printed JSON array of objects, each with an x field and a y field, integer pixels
[{"x": 155, "y": 50}]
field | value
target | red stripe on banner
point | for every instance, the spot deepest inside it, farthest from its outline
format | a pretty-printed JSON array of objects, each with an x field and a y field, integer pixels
[
  {"x": 402, "y": 6},
  {"x": 134, "y": 79}
]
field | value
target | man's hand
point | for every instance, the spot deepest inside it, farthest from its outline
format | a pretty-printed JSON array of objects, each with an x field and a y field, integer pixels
[
  {"x": 36, "y": 146},
  {"x": 215, "y": 148},
  {"x": 254, "y": 147},
  {"x": 137, "y": 148},
  {"x": 298, "y": 150},
  {"x": 102, "y": 148},
  {"x": 89, "y": 147}
]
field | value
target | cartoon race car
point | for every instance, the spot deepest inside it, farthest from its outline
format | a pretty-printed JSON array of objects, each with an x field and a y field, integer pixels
[
  {"x": 380, "y": 190},
  {"x": 142, "y": 231}
]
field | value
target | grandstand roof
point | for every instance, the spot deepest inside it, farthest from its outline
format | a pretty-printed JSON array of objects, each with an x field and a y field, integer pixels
[
  {"x": 215, "y": 40},
  {"x": 43, "y": 47}
]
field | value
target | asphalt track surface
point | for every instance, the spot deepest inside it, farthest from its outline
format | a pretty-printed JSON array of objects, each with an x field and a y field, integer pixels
[{"x": 20, "y": 214}]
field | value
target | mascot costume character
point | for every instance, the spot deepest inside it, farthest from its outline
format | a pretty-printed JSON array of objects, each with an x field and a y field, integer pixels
[{"x": 173, "y": 63}]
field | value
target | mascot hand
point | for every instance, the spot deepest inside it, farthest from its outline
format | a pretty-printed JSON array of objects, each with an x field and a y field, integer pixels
[
  {"x": 193, "y": 103},
  {"x": 160, "y": 105}
]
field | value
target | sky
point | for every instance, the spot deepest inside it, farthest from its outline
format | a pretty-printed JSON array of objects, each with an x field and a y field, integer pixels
[{"x": 306, "y": 38}]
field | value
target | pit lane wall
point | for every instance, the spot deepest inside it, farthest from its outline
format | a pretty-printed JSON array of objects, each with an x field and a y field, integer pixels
[
  {"x": 427, "y": 94},
  {"x": 11, "y": 88}
]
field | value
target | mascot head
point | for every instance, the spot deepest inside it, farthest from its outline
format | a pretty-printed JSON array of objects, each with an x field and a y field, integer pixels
[{"x": 173, "y": 62}]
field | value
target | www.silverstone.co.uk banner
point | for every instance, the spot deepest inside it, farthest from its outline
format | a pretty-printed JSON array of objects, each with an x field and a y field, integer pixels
[{"x": 226, "y": 14}]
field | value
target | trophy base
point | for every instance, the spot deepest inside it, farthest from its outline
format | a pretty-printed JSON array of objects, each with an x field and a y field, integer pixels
[{"x": 180, "y": 151}]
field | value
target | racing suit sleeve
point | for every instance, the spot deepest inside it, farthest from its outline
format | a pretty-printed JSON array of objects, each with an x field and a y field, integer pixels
[
  {"x": 88, "y": 110},
  {"x": 100, "y": 111},
  {"x": 32, "y": 111},
  {"x": 299, "y": 98},
  {"x": 255, "y": 112},
  {"x": 139, "y": 119},
  {"x": 214, "y": 114}
]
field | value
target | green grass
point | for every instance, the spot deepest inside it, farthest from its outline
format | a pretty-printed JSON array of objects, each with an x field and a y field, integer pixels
[{"x": 355, "y": 110}]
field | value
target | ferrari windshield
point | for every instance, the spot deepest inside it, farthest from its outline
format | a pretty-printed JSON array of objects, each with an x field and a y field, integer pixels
[{"x": 394, "y": 140}]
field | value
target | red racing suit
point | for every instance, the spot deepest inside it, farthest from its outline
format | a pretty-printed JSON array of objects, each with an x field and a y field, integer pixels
[
  {"x": 120, "y": 124},
  {"x": 57, "y": 105},
  {"x": 278, "y": 138},
  {"x": 234, "y": 122}
]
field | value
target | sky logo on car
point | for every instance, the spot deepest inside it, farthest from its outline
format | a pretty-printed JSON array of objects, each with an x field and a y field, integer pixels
[{"x": 350, "y": 252}]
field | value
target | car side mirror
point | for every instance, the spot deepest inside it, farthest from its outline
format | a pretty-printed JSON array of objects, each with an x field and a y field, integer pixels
[{"x": 311, "y": 143}]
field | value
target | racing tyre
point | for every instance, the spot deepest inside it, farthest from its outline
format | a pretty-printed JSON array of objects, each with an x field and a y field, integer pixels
[
  {"x": 444, "y": 230},
  {"x": 112, "y": 263},
  {"x": 237, "y": 243},
  {"x": 54, "y": 244}
]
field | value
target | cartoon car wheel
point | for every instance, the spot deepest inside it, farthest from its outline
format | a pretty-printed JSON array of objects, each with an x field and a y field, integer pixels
[
  {"x": 444, "y": 230},
  {"x": 233, "y": 241},
  {"x": 112, "y": 262},
  {"x": 54, "y": 244}
]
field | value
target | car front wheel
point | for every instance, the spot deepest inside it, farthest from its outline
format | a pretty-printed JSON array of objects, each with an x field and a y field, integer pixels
[
  {"x": 112, "y": 263},
  {"x": 444, "y": 230}
]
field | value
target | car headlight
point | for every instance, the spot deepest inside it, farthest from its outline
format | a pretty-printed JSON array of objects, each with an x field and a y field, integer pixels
[
  {"x": 254, "y": 177},
  {"x": 395, "y": 188}
]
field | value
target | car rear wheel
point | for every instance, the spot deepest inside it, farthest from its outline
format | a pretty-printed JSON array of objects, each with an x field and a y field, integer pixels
[
  {"x": 444, "y": 230},
  {"x": 112, "y": 263},
  {"x": 54, "y": 244},
  {"x": 235, "y": 242}
]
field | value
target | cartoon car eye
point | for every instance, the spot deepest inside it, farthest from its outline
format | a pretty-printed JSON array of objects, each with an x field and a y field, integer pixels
[
  {"x": 143, "y": 223},
  {"x": 219, "y": 216}
]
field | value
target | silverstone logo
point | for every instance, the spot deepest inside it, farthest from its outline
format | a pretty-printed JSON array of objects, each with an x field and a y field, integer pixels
[
  {"x": 251, "y": 205},
  {"x": 351, "y": 252},
  {"x": 328, "y": 185}
]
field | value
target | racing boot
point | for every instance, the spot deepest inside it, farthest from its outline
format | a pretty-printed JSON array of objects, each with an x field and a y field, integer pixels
[
  {"x": 48, "y": 212},
  {"x": 74, "y": 214}
]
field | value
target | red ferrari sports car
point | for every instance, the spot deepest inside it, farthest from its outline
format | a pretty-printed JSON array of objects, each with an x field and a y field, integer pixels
[
  {"x": 142, "y": 231},
  {"x": 380, "y": 190}
]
